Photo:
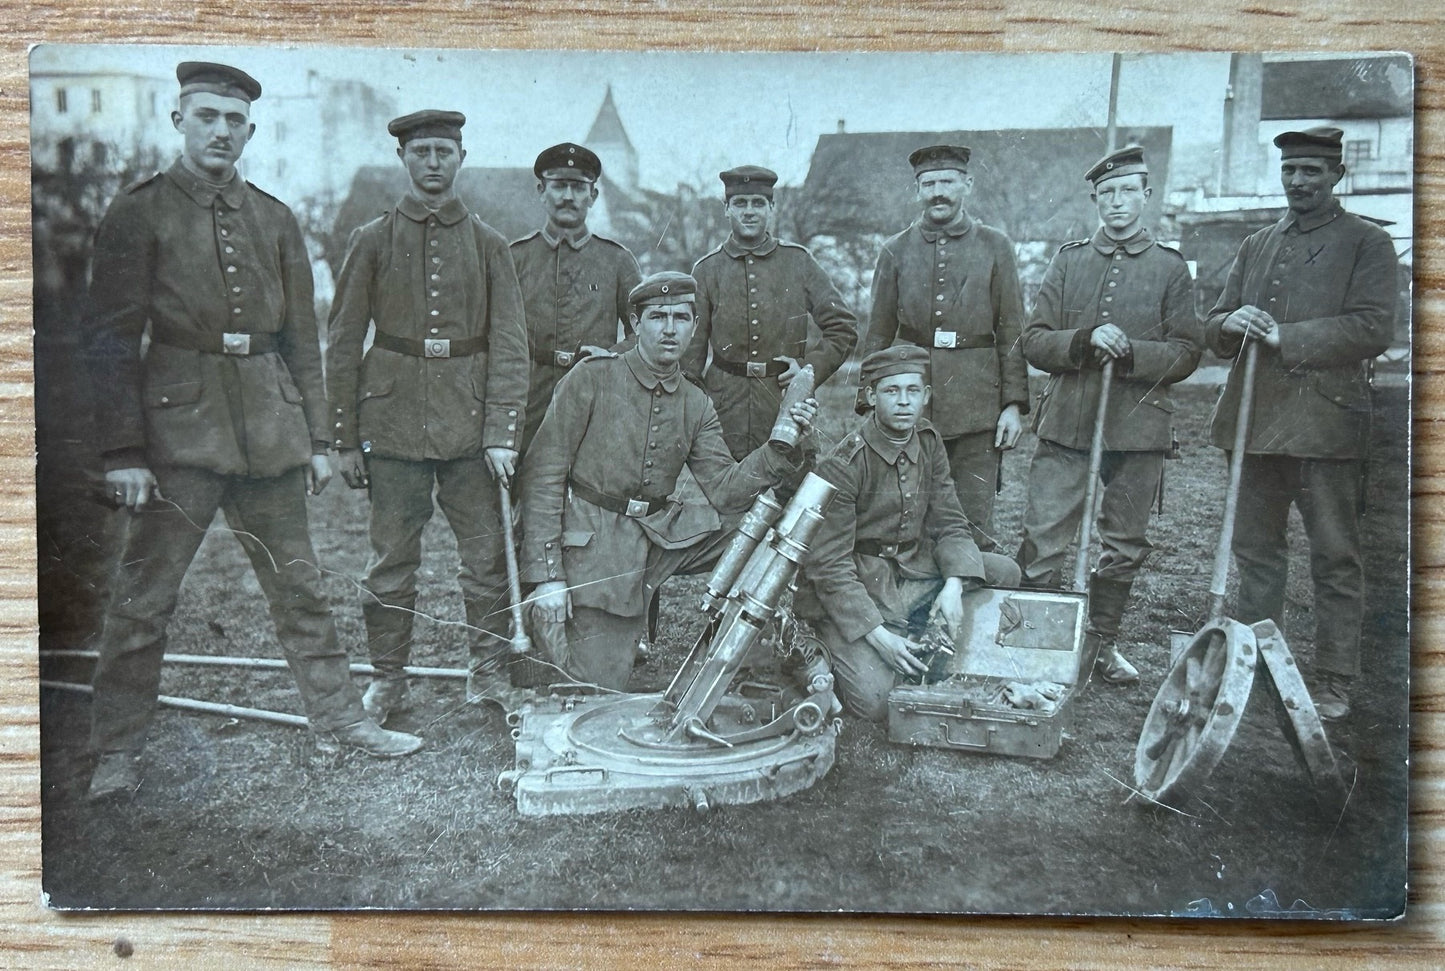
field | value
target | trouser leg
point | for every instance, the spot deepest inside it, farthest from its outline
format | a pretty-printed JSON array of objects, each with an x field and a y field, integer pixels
[
  {"x": 600, "y": 646},
  {"x": 1268, "y": 484},
  {"x": 269, "y": 515},
  {"x": 1057, "y": 480},
  {"x": 973, "y": 461},
  {"x": 469, "y": 497},
  {"x": 157, "y": 546},
  {"x": 860, "y": 675},
  {"x": 401, "y": 506},
  {"x": 1329, "y": 503},
  {"x": 1131, "y": 484}
]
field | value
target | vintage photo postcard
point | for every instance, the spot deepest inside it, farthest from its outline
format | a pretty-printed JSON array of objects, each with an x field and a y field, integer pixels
[{"x": 873, "y": 483}]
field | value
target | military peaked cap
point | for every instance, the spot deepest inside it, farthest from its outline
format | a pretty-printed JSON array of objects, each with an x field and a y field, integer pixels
[
  {"x": 898, "y": 359},
  {"x": 666, "y": 287},
  {"x": 1321, "y": 142},
  {"x": 428, "y": 124},
  {"x": 748, "y": 180},
  {"x": 222, "y": 79},
  {"x": 1128, "y": 160},
  {"x": 935, "y": 157},
  {"x": 567, "y": 161}
]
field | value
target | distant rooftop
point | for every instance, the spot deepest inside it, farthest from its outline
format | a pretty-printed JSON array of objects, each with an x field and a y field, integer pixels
[{"x": 607, "y": 128}]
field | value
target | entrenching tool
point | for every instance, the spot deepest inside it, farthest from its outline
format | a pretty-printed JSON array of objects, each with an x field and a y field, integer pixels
[
  {"x": 521, "y": 643},
  {"x": 1089, "y": 656},
  {"x": 1200, "y": 704}
]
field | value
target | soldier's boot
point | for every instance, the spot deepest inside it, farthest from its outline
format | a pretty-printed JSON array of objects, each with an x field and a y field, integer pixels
[
  {"x": 1332, "y": 701},
  {"x": 388, "y": 641},
  {"x": 488, "y": 664},
  {"x": 1107, "y": 600},
  {"x": 369, "y": 737},
  {"x": 116, "y": 775}
]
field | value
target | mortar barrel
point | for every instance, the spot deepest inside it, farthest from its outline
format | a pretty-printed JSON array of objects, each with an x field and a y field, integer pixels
[{"x": 751, "y": 530}]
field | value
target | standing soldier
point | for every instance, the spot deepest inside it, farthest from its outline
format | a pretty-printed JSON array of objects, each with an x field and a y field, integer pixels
[
  {"x": 950, "y": 284},
  {"x": 1317, "y": 290},
  {"x": 756, "y": 294},
  {"x": 436, "y": 405},
  {"x": 895, "y": 545},
  {"x": 1118, "y": 296},
  {"x": 574, "y": 282},
  {"x": 225, "y": 410},
  {"x": 601, "y": 535}
]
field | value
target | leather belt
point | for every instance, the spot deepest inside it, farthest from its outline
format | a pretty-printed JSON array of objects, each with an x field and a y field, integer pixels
[
  {"x": 239, "y": 345},
  {"x": 751, "y": 369},
  {"x": 891, "y": 551},
  {"x": 965, "y": 342},
  {"x": 562, "y": 359},
  {"x": 635, "y": 508},
  {"x": 431, "y": 346}
]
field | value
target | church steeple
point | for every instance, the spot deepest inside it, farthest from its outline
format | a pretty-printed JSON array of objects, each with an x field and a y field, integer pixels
[{"x": 608, "y": 138}]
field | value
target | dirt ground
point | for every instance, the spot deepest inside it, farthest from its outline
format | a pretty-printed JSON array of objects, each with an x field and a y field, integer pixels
[{"x": 239, "y": 814}]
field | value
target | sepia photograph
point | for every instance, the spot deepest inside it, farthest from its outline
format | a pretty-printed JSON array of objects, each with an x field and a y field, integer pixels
[{"x": 872, "y": 483}]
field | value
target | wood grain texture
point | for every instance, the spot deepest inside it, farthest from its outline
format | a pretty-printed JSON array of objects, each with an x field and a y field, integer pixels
[{"x": 34, "y": 937}]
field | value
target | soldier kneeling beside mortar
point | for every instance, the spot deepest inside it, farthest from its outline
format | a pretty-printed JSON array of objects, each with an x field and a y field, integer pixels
[{"x": 895, "y": 547}]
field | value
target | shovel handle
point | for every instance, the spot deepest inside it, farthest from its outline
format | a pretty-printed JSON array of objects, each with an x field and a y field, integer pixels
[
  {"x": 521, "y": 644},
  {"x": 1091, "y": 484},
  {"x": 1220, "y": 580}
]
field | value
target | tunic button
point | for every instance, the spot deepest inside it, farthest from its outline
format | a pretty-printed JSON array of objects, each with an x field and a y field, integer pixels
[
  {"x": 338, "y": 424},
  {"x": 654, "y": 428},
  {"x": 755, "y": 322},
  {"x": 549, "y": 546},
  {"x": 657, "y": 410},
  {"x": 235, "y": 289},
  {"x": 235, "y": 311},
  {"x": 230, "y": 269},
  {"x": 1104, "y": 313},
  {"x": 938, "y": 313},
  {"x": 435, "y": 329},
  {"x": 755, "y": 337},
  {"x": 755, "y": 353},
  {"x": 436, "y": 293},
  {"x": 940, "y": 280},
  {"x": 1109, "y": 298},
  {"x": 512, "y": 427},
  {"x": 435, "y": 312},
  {"x": 1114, "y": 270},
  {"x": 1113, "y": 283},
  {"x": 939, "y": 297},
  {"x": 750, "y": 261},
  {"x": 940, "y": 266},
  {"x": 432, "y": 243},
  {"x": 1118, "y": 256},
  {"x": 436, "y": 276},
  {"x": 649, "y": 463},
  {"x": 230, "y": 249},
  {"x": 1274, "y": 283},
  {"x": 647, "y": 482},
  {"x": 166, "y": 401},
  {"x": 436, "y": 259},
  {"x": 753, "y": 305},
  {"x": 511, "y": 414},
  {"x": 225, "y": 233},
  {"x": 652, "y": 445}
]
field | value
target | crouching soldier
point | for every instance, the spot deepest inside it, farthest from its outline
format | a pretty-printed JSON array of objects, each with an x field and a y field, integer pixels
[
  {"x": 895, "y": 545},
  {"x": 601, "y": 534}
]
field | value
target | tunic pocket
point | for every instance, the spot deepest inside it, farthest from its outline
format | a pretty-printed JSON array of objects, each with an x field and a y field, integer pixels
[{"x": 172, "y": 394}]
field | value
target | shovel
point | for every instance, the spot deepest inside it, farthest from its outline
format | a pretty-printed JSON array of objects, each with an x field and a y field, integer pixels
[{"x": 1091, "y": 494}]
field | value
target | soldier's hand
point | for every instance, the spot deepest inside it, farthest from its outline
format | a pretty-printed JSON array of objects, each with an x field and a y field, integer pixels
[
  {"x": 318, "y": 473},
  {"x": 897, "y": 652},
  {"x": 786, "y": 378},
  {"x": 804, "y": 413},
  {"x": 1110, "y": 340},
  {"x": 949, "y": 604},
  {"x": 131, "y": 488},
  {"x": 592, "y": 350},
  {"x": 1010, "y": 426},
  {"x": 1250, "y": 321},
  {"x": 352, "y": 465},
  {"x": 502, "y": 463},
  {"x": 552, "y": 601}
]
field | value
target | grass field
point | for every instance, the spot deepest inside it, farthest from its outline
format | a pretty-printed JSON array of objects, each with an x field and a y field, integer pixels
[{"x": 238, "y": 814}]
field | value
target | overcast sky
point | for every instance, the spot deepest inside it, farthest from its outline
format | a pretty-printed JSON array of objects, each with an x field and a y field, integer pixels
[{"x": 685, "y": 112}]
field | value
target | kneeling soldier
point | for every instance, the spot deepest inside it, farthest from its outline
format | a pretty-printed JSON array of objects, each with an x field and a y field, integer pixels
[
  {"x": 600, "y": 533},
  {"x": 1116, "y": 296},
  {"x": 895, "y": 545}
]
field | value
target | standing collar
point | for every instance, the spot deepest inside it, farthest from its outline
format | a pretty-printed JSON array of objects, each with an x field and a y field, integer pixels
[
  {"x": 888, "y": 449},
  {"x": 737, "y": 250},
  {"x": 1309, "y": 222},
  {"x": 575, "y": 239},
  {"x": 959, "y": 227},
  {"x": 1134, "y": 245},
  {"x": 204, "y": 193},
  {"x": 452, "y": 211},
  {"x": 646, "y": 376}
]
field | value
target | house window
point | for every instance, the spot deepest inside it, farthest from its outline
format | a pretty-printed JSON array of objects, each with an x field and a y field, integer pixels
[
  {"x": 1357, "y": 150},
  {"x": 95, "y": 101},
  {"x": 61, "y": 102},
  {"x": 98, "y": 154}
]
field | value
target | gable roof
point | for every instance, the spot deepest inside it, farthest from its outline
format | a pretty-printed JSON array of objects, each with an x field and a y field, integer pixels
[
  {"x": 1028, "y": 182},
  {"x": 1337, "y": 88}
]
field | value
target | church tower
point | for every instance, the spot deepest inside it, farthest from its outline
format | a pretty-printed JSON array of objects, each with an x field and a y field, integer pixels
[{"x": 609, "y": 140}]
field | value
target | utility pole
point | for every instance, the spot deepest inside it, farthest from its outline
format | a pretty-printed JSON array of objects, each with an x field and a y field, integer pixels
[{"x": 1111, "y": 138}]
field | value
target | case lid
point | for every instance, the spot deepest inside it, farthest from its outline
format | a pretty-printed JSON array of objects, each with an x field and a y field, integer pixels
[{"x": 1022, "y": 635}]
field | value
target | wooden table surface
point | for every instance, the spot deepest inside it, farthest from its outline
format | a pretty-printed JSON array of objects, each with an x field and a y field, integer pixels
[{"x": 31, "y": 936}]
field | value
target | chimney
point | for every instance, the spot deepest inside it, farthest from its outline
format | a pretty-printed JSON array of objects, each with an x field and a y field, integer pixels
[
  {"x": 842, "y": 127},
  {"x": 1241, "y": 164}
]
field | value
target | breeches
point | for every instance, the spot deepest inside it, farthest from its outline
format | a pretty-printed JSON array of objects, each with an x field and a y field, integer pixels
[{"x": 973, "y": 461}]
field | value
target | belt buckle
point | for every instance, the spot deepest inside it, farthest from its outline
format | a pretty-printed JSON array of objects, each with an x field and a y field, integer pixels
[
  {"x": 436, "y": 347},
  {"x": 637, "y": 508},
  {"x": 757, "y": 369},
  {"x": 239, "y": 344},
  {"x": 564, "y": 358},
  {"x": 889, "y": 550}
]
